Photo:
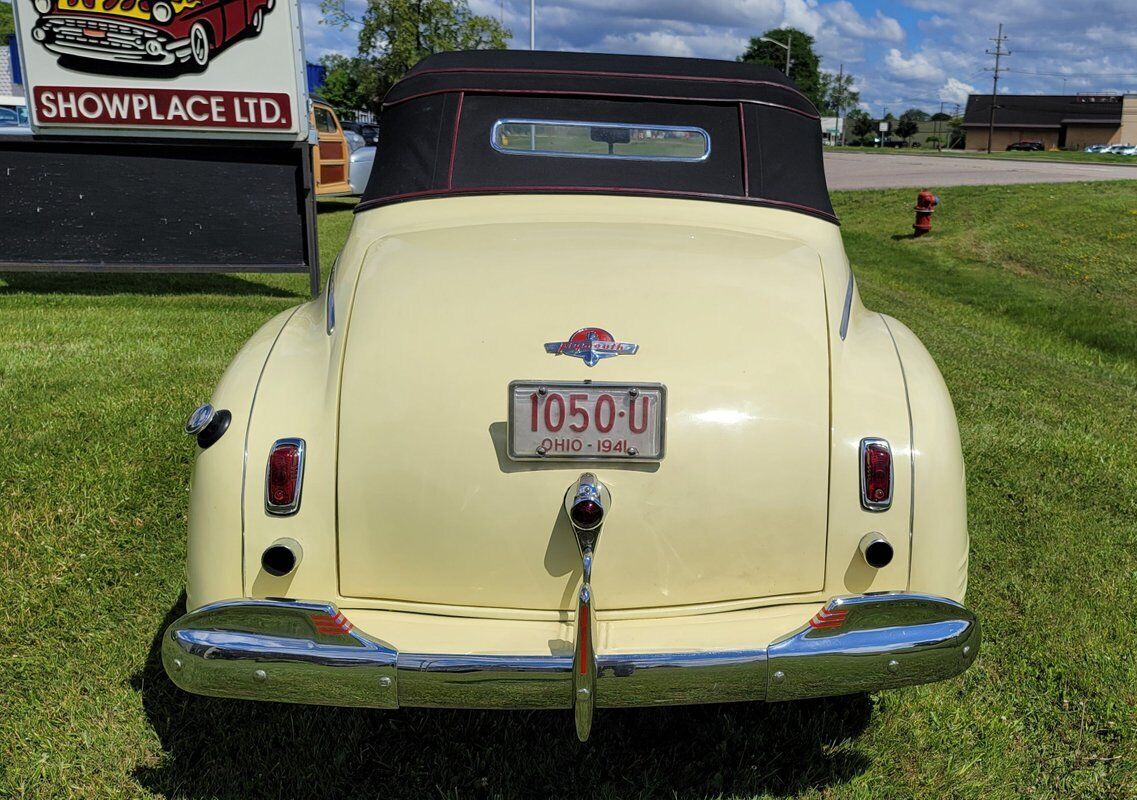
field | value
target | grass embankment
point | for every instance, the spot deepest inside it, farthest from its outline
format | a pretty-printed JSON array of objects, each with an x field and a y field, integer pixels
[
  {"x": 1076, "y": 156},
  {"x": 1026, "y": 296}
]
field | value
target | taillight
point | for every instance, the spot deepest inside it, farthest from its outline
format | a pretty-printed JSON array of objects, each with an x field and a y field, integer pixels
[
  {"x": 876, "y": 474},
  {"x": 284, "y": 477}
]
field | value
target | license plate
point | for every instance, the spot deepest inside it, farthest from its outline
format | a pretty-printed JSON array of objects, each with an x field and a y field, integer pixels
[
  {"x": 94, "y": 34},
  {"x": 586, "y": 421}
]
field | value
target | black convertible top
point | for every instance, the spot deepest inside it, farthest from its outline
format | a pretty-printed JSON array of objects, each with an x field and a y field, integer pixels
[{"x": 436, "y": 123}]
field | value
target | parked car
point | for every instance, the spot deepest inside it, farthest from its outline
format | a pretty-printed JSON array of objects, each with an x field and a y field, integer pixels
[
  {"x": 14, "y": 116},
  {"x": 1126, "y": 151},
  {"x": 1025, "y": 146},
  {"x": 359, "y": 172},
  {"x": 331, "y": 154},
  {"x": 147, "y": 33},
  {"x": 1096, "y": 148},
  {"x": 1118, "y": 149},
  {"x": 580, "y": 307},
  {"x": 369, "y": 132}
]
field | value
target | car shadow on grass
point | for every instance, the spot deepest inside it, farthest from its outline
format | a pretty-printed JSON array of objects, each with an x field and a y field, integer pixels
[
  {"x": 235, "y": 749},
  {"x": 88, "y": 283}
]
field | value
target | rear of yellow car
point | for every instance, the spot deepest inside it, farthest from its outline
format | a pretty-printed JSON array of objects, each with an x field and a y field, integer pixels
[{"x": 580, "y": 448}]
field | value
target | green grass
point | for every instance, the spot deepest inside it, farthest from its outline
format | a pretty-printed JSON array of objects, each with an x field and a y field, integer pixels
[
  {"x": 1025, "y": 296},
  {"x": 1076, "y": 156}
]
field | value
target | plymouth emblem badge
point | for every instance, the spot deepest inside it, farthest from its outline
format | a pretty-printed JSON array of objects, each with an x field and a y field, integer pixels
[{"x": 590, "y": 345}]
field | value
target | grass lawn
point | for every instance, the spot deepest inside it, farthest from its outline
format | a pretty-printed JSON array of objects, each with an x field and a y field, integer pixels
[
  {"x": 1026, "y": 296},
  {"x": 1012, "y": 155}
]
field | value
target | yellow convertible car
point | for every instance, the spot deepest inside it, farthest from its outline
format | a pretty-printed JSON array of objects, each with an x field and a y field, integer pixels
[{"x": 590, "y": 415}]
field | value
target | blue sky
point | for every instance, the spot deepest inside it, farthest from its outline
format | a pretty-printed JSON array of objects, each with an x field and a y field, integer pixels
[{"x": 903, "y": 54}]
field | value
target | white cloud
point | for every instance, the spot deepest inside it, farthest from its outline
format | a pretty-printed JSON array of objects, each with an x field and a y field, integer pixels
[
  {"x": 955, "y": 91},
  {"x": 916, "y": 68},
  {"x": 656, "y": 43},
  {"x": 847, "y": 21}
]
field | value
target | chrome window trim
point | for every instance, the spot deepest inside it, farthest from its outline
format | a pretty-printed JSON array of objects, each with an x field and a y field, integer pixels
[
  {"x": 866, "y": 503},
  {"x": 287, "y": 509},
  {"x": 585, "y": 124}
]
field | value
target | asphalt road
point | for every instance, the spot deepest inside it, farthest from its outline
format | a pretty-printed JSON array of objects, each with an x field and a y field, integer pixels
[{"x": 872, "y": 171}]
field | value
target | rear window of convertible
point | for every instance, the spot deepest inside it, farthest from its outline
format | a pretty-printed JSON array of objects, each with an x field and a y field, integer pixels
[{"x": 627, "y": 141}]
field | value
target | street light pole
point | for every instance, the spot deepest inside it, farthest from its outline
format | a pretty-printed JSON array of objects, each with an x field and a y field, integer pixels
[
  {"x": 532, "y": 24},
  {"x": 788, "y": 47}
]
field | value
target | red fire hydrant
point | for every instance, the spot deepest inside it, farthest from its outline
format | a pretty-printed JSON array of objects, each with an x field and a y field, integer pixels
[{"x": 926, "y": 203}]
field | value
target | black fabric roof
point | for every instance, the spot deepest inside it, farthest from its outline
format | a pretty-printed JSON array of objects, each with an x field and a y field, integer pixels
[
  {"x": 1043, "y": 110},
  {"x": 436, "y": 122}
]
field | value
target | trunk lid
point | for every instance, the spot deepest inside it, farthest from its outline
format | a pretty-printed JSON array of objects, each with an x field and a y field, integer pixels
[{"x": 432, "y": 510}]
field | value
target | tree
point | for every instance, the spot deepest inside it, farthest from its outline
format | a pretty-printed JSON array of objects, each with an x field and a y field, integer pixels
[
  {"x": 916, "y": 115},
  {"x": 859, "y": 123},
  {"x": 7, "y": 23},
  {"x": 349, "y": 83},
  {"x": 906, "y": 128},
  {"x": 940, "y": 116},
  {"x": 805, "y": 66},
  {"x": 397, "y": 34},
  {"x": 837, "y": 93}
]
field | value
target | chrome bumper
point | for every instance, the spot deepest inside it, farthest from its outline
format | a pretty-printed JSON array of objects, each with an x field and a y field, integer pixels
[
  {"x": 120, "y": 40},
  {"x": 304, "y": 652}
]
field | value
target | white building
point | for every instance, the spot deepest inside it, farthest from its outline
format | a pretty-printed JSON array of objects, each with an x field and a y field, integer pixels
[{"x": 831, "y": 129}]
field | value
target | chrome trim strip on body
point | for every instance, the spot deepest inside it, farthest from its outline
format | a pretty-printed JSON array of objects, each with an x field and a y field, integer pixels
[
  {"x": 610, "y": 156},
  {"x": 307, "y": 652},
  {"x": 848, "y": 307}
]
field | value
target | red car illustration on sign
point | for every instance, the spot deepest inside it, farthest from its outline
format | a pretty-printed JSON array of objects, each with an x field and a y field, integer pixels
[{"x": 147, "y": 32}]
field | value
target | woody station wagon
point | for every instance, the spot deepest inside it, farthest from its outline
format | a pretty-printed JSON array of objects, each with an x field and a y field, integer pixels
[{"x": 590, "y": 415}]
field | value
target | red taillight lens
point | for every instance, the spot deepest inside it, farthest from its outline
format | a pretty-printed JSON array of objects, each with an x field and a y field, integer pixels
[
  {"x": 285, "y": 464},
  {"x": 587, "y": 514},
  {"x": 876, "y": 474}
]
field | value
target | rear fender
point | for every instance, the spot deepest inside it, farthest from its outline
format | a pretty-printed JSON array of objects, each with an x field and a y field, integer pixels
[
  {"x": 214, "y": 544},
  {"x": 939, "y": 520},
  {"x": 868, "y": 400}
]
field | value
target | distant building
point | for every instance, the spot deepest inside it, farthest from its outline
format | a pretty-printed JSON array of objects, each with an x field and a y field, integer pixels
[
  {"x": 831, "y": 129},
  {"x": 1058, "y": 121},
  {"x": 316, "y": 74},
  {"x": 11, "y": 82}
]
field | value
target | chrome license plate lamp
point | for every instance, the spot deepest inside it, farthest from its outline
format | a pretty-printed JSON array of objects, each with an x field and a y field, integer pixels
[{"x": 586, "y": 503}]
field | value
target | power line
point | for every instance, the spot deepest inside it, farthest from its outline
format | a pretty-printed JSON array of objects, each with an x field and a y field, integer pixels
[
  {"x": 1071, "y": 74},
  {"x": 999, "y": 40}
]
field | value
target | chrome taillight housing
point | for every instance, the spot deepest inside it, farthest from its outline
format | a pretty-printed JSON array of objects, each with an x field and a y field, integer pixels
[
  {"x": 876, "y": 474},
  {"x": 284, "y": 477}
]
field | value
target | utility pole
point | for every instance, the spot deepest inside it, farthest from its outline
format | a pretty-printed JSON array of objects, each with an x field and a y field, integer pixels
[
  {"x": 840, "y": 103},
  {"x": 998, "y": 53}
]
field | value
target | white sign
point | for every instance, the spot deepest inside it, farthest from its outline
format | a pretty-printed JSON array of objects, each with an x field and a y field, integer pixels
[
  {"x": 884, "y": 126},
  {"x": 231, "y": 68}
]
